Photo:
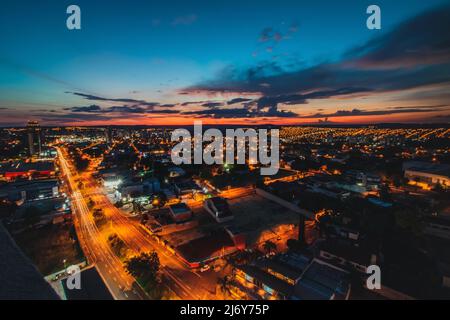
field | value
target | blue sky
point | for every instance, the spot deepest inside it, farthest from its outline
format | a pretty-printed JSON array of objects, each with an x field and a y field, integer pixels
[{"x": 152, "y": 51}]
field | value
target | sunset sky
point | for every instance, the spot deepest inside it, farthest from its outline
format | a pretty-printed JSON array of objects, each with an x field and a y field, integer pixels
[{"x": 233, "y": 62}]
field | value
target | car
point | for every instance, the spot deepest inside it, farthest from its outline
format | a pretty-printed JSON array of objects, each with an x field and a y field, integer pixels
[{"x": 206, "y": 267}]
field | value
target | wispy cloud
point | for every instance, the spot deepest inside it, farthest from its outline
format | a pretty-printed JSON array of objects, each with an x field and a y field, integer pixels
[{"x": 184, "y": 20}]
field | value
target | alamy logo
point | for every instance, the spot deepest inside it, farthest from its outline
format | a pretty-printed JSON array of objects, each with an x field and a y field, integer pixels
[
  {"x": 374, "y": 279},
  {"x": 374, "y": 20},
  {"x": 259, "y": 150},
  {"x": 74, "y": 279},
  {"x": 73, "y": 21}
]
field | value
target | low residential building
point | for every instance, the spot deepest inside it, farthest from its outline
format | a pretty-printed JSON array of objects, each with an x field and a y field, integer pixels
[
  {"x": 187, "y": 187},
  {"x": 427, "y": 175},
  {"x": 180, "y": 212},
  {"x": 149, "y": 186},
  {"x": 358, "y": 182},
  {"x": 238, "y": 237},
  {"x": 347, "y": 255},
  {"x": 438, "y": 227},
  {"x": 30, "y": 190},
  {"x": 293, "y": 277},
  {"x": 218, "y": 208},
  {"x": 20, "y": 169},
  {"x": 207, "y": 248}
]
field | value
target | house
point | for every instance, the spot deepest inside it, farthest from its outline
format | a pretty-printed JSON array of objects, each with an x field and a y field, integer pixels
[
  {"x": 438, "y": 227},
  {"x": 180, "y": 212},
  {"x": 218, "y": 208},
  {"x": 148, "y": 186},
  {"x": 293, "y": 276},
  {"x": 238, "y": 237},
  {"x": 346, "y": 255},
  {"x": 187, "y": 187},
  {"x": 427, "y": 175},
  {"x": 207, "y": 248}
]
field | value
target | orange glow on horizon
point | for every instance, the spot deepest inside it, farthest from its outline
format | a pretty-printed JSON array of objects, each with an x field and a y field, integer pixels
[{"x": 186, "y": 121}]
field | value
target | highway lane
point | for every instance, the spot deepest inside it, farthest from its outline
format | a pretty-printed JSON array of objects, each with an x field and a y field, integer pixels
[
  {"x": 97, "y": 251},
  {"x": 182, "y": 281}
]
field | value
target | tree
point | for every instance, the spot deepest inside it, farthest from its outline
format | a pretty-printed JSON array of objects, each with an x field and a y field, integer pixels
[
  {"x": 384, "y": 193},
  {"x": 99, "y": 217},
  {"x": 409, "y": 220},
  {"x": 145, "y": 268},
  {"x": 144, "y": 219},
  {"x": 91, "y": 203},
  {"x": 245, "y": 256},
  {"x": 117, "y": 245},
  {"x": 31, "y": 215},
  {"x": 224, "y": 284},
  {"x": 269, "y": 247}
]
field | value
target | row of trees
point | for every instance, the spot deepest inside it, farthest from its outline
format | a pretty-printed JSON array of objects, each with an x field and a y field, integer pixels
[
  {"x": 80, "y": 162},
  {"x": 99, "y": 217},
  {"x": 117, "y": 245}
]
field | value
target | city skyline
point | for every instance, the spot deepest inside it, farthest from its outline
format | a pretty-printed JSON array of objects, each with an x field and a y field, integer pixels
[{"x": 154, "y": 64}]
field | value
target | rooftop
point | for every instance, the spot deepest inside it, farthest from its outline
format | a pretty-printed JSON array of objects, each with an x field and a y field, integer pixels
[
  {"x": 433, "y": 168},
  {"x": 322, "y": 281},
  {"x": 206, "y": 247},
  {"x": 179, "y": 208},
  {"x": 19, "y": 278},
  {"x": 92, "y": 287},
  {"x": 21, "y": 166}
]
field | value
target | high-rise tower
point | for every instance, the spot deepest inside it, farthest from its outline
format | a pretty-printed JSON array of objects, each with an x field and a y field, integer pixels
[
  {"x": 108, "y": 135},
  {"x": 34, "y": 138}
]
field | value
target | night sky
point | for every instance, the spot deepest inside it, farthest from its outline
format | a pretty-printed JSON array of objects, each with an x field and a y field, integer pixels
[{"x": 280, "y": 62}]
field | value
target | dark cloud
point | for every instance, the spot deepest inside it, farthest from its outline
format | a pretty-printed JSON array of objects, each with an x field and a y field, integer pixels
[
  {"x": 123, "y": 100},
  {"x": 240, "y": 113},
  {"x": 188, "y": 103},
  {"x": 91, "y": 108},
  {"x": 270, "y": 37},
  {"x": 125, "y": 109},
  {"x": 266, "y": 35},
  {"x": 422, "y": 40},
  {"x": 212, "y": 104},
  {"x": 72, "y": 117},
  {"x": 120, "y": 109},
  {"x": 417, "y": 53},
  {"x": 238, "y": 100},
  {"x": 358, "y": 112},
  {"x": 274, "y": 35},
  {"x": 166, "y": 111},
  {"x": 273, "y": 101}
]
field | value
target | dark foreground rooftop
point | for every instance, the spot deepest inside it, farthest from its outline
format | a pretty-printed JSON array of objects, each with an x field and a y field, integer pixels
[
  {"x": 92, "y": 287},
  {"x": 19, "y": 278}
]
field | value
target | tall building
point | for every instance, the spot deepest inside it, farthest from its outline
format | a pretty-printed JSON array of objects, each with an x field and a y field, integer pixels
[
  {"x": 108, "y": 135},
  {"x": 34, "y": 138}
]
